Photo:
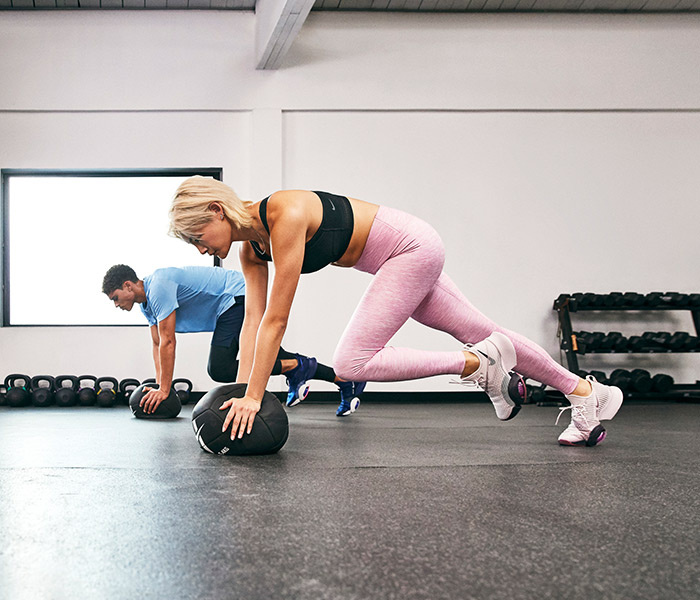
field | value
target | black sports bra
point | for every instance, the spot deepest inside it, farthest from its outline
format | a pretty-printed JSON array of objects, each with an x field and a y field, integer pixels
[{"x": 331, "y": 240}]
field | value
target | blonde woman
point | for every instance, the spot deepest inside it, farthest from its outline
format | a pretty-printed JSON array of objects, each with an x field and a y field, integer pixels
[{"x": 304, "y": 231}]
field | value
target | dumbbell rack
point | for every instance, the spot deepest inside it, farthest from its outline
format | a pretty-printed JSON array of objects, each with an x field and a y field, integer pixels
[{"x": 565, "y": 304}]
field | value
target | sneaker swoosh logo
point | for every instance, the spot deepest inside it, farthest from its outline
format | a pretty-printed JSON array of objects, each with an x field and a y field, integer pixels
[{"x": 492, "y": 362}]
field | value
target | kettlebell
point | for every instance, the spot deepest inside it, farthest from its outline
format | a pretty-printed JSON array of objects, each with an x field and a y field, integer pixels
[
  {"x": 17, "y": 392},
  {"x": 126, "y": 386},
  {"x": 106, "y": 394},
  {"x": 183, "y": 393},
  {"x": 66, "y": 395},
  {"x": 86, "y": 392},
  {"x": 42, "y": 395},
  {"x": 3, "y": 394}
]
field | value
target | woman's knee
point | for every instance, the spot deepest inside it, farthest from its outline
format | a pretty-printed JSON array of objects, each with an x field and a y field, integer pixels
[{"x": 347, "y": 366}]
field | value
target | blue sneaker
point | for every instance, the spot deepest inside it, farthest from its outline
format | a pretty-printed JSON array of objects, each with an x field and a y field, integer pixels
[
  {"x": 297, "y": 379},
  {"x": 349, "y": 392}
]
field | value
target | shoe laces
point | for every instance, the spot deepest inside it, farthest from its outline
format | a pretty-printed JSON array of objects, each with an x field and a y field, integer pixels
[
  {"x": 465, "y": 382},
  {"x": 578, "y": 411}
]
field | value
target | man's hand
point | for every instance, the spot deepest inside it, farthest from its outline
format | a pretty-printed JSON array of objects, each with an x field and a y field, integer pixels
[{"x": 152, "y": 399}]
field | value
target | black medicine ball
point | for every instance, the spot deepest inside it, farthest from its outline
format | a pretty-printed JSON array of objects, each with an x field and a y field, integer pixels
[
  {"x": 168, "y": 409},
  {"x": 270, "y": 428}
]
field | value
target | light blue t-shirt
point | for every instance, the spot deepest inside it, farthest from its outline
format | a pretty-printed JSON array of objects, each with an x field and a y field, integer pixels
[{"x": 199, "y": 294}]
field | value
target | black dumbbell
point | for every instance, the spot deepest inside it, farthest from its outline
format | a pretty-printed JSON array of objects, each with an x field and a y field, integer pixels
[
  {"x": 536, "y": 394},
  {"x": 613, "y": 300},
  {"x": 620, "y": 344},
  {"x": 87, "y": 396},
  {"x": 691, "y": 343},
  {"x": 66, "y": 395},
  {"x": 640, "y": 380},
  {"x": 183, "y": 388},
  {"x": 661, "y": 383},
  {"x": 694, "y": 300},
  {"x": 675, "y": 299},
  {"x": 587, "y": 341},
  {"x": 610, "y": 341},
  {"x": 656, "y": 340},
  {"x": 653, "y": 299},
  {"x": 106, "y": 391},
  {"x": 599, "y": 376},
  {"x": 17, "y": 390},
  {"x": 126, "y": 386},
  {"x": 582, "y": 338},
  {"x": 620, "y": 378},
  {"x": 678, "y": 340},
  {"x": 586, "y": 300},
  {"x": 635, "y": 343},
  {"x": 594, "y": 340},
  {"x": 632, "y": 299},
  {"x": 42, "y": 395},
  {"x": 598, "y": 301}
]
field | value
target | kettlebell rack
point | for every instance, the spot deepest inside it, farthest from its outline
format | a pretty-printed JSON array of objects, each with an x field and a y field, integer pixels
[{"x": 574, "y": 343}]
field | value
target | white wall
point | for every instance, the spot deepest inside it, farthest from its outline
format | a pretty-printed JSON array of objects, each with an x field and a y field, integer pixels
[{"x": 565, "y": 145}]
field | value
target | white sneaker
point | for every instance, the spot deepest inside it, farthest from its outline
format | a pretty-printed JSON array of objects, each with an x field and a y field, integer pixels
[
  {"x": 505, "y": 388},
  {"x": 586, "y": 414}
]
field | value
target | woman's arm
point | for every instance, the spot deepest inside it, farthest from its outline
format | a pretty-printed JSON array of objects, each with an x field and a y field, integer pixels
[
  {"x": 288, "y": 222},
  {"x": 255, "y": 273}
]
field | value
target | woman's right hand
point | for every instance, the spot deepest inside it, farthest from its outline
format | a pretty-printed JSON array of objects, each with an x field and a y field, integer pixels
[{"x": 241, "y": 415}]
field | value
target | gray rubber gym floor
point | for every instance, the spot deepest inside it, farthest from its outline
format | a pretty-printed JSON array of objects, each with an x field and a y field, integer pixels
[{"x": 398, "y": 501}]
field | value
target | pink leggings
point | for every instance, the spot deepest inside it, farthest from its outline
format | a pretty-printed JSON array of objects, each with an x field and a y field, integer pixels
[{"x": 406, "y": 257}]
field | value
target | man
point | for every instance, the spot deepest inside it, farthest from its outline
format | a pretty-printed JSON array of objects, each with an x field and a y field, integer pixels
[{"x": 195, "y": 299}]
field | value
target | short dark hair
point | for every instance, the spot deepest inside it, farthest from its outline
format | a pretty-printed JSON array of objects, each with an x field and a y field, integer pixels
[{"x": 116, "y": 276}]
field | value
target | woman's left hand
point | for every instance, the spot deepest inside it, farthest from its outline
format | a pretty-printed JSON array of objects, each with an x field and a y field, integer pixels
[{"x": 242, "y": 412}]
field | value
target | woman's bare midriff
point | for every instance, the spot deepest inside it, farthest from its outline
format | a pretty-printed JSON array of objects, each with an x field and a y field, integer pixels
[{"x": 364, "y": 213}]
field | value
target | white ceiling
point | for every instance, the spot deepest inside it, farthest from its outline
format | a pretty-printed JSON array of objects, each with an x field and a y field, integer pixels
[{"x": 278, "y": 22}]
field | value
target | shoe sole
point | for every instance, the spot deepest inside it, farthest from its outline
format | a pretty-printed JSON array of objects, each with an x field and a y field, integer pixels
[
  {"x": 301, "y": 395},
  {"x": 516, "y": 385},
  {"x": 354, "y": 404},
  {"x": 613, "y": 405},
  {"x": 596, "y": 436}
]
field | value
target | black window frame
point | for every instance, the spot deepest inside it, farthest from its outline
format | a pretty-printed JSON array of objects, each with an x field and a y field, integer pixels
[{"x": 6, "y": 174}]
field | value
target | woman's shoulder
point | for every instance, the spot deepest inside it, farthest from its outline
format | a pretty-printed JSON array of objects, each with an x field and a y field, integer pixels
[
  {"x": 289, "y": 196},
  {"x": 290, "y": 203}
]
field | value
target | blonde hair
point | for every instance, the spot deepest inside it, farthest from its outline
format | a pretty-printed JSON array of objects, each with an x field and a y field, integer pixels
[{"x": 189, "y": 211}]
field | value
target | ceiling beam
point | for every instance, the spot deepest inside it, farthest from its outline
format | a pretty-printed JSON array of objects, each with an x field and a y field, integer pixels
[{"x": 277, "y": 23}]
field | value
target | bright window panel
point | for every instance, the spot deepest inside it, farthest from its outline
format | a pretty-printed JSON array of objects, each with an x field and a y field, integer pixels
[{"x": 66, "y": 231}]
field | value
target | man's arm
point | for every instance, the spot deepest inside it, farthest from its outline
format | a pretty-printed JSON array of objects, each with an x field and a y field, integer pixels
[
  {"x": 156, "y": 352},
  {"x": 166, "y": 359}
]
